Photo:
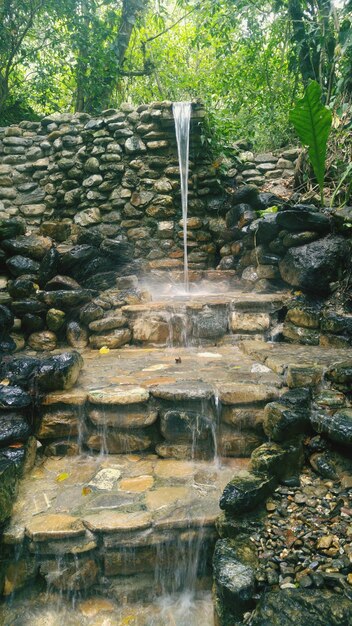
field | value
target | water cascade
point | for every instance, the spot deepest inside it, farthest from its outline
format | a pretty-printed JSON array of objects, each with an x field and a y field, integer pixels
[{"x": 182, "y": 116}]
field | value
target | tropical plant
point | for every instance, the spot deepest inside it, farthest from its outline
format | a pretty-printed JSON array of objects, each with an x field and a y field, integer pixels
[{"x": 312, "y": 121}]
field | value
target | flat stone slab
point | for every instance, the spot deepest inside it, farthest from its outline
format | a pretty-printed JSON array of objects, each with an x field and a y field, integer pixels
[
  {"x": 61, "y": 499},
  {"x": 279, "y": 356}
]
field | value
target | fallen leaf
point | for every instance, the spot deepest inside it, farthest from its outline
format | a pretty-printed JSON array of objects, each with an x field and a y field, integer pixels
[
  {"x": 104, "y": 350},
  {"x": 62, "y": 476},
  {"x": 16, "y": 445},
  {"x": 86, "y": 491},
  {"x": 5, "y": 382}
]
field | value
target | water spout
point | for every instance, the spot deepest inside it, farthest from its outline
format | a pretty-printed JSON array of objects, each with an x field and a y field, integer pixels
[{"x": 182, "y": 116}]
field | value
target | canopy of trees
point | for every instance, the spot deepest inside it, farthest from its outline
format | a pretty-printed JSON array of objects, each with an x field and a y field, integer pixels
[{"x": 248, "y": 60}]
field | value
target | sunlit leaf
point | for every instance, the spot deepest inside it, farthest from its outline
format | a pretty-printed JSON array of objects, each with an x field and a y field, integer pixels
[{"x": 62, "y": 476}]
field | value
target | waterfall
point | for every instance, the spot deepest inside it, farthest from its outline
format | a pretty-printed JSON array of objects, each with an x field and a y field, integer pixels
[{"x": 182, "y": 116}]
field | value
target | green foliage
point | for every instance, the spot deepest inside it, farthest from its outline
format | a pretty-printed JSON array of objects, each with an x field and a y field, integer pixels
[{"x": 312, "y": 122}]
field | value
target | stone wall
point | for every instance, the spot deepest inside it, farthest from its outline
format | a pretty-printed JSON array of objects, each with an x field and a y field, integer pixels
[{"x": 116, "y": 174}]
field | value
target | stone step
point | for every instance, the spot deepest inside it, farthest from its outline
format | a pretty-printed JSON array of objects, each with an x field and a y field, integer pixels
[
  {"x": 203, "y": 319},
  {"x": 181, "y": 403},
  {"x": 91, "y": 522}
]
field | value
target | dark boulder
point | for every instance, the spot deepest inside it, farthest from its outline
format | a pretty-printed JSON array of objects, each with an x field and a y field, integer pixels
[
  {"x": 19, "y": 265},
  {"x": 77, "y": 256},
  {"x": 32, "y": 323},
  {"x": 247, "y": 194},
  {"x": 301, "y": 220},
  {"x": 265, "y": 229},
  {"x": 31, "y": 306},
  {"x": 101, "y": 281},
  {"x": 91, "y": 312},
  {"x": 11, "y": 228},
  {"x": 184, "y": 425},
  {"x": 337, "y": 427},
  {"x": 22, "y": 288},
  {"x": 314, "y": 266},
  {"x": 245, "y": 492},
  {"x": 117, "y": 249},
  {"x": 234, "y": 579},
  {"x": 7, "y": 345},
  {"x": 64, "y": 299},
  {"x": 13, "y": 397},
  {"x": 282, "y": 422},
  {"x": 98, "y": 265},
  {"x": 13, "y": 427},
  {"x": 267, "y": 200},
  {"x": 19, "y": 370},
  {"x": 6, "y": 319},
  {"x": 32, "y": 246},
  {"x": 49, "y": 266},
  {"x": 302, "y": 607},
  {"x": 61, "y": 282},
  {"x": 59, "y": 372},
  {"x": 76, "y": 336}
]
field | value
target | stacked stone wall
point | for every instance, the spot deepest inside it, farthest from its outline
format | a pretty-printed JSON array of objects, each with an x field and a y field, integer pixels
[{"x": 117, "y": 174}]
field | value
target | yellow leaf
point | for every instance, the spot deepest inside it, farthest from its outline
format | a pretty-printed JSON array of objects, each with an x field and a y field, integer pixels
[
  {"x": 5, "y": 382},
  {"x": 127, "y": 620},
  {"x": 104, "y": 350},
  {"x": 86, "y": 491},
  {"x": 236, "y": 367},
  {"x": 62, "y": 476},
  {"x": 297, "y": 293},
  {"x": 36, "y": 287}
]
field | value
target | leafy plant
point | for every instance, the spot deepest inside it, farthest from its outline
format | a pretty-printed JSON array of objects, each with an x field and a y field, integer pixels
[{"x": 312, "y": 121}]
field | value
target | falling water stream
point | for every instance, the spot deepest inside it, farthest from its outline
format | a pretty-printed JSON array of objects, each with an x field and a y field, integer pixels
[{"x": 182, "y": 116}]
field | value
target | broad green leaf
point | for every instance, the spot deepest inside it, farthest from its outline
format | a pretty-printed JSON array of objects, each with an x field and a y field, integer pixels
[{"x": 312, "y": 122}]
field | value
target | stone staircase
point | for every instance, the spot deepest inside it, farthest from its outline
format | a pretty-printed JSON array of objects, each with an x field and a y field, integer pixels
[{"x": 205, "y": 319}]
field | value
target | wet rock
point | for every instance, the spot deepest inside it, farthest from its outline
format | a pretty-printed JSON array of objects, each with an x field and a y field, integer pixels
[
  {"x": 105, "y": 479},
  {"x": 55, "y": 319},
  {"x": 296, "y": 334},
  {"x": 19, "y": 370},
  {"x": 19, "y": 265},
  {"x": 32, "y": 323},
  {"x": 58, "y": 283},
  {"x": 314, "y": 266},
  {"x": 13, "y": 428},
  {"x": 7, "y": 345},
  {"x": 281, "y": 422},
  {"x": 43, "y": 341},
  {"x": 237, "y": 444},
  {"x": 183, "y": 426},
  {"x": 22, "y": 288},
  {"x": 210, "y": 324},
  {"x": 182, "y": 391},
  {"x": 323, "y": 465},
  {"x": 246, "y": 393},
  {"x": 304, "y": 375},
  {"x": 48, "y": 266},
  {"x": 8, "y": 482},
  {"x": 234, "y": 580},
  {"x": 249, "y": 322},
  {"x": 117, "y": 249},
  {"x": 6, "y": 319},
  {"x": 292, "y": 240},
  {"x": 32, "y": 246},
  {"x": 113, "y": 339},
  {"x": 13, "y": 397},
  {"x": 64, "y": 300},
  {"x": 248, "y": 194},
  {"x": 304, "y": 317},
  {"x": 91, "y": 312},
  {"x": 125, "y": 395},
  {"x": 76, "y": 336},
  {"x": 337, "y": 427},
  {"x": 110, "y": 322},
  {"x": 136, "y": 415},
  {"x": 78, "y": 255},
  {"x": 78, "y": 575},
  {"x": 58, "y": 423},
  {"x": 301, "y": 220},
  {"x": 340, "y": 373},
  {"x": 59, "y": 372},
  {"x": 336, "y": 323},
  {"x": 11, "y": 228},
  {"x": 302, "y": 607},
  {"x": 121, "y": 442},
  {"x": 102, "y": 280},
  {"x": 30, "y": 306},
  {"x": 245, "y": 492}
]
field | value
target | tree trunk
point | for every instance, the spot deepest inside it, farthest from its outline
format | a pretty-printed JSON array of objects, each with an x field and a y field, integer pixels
[
  {"x": 4, "y": 92},
  {"x": 81, "y": 68}
]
